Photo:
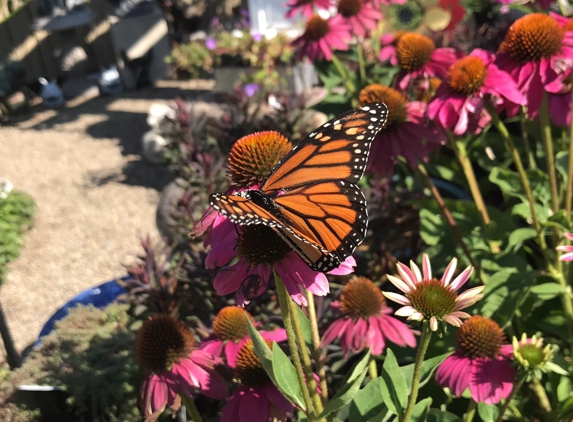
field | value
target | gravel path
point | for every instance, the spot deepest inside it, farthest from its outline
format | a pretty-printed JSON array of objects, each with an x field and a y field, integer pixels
[{"x": 95, "y": 198}]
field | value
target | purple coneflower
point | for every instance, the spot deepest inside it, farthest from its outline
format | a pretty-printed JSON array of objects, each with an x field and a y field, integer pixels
[
  {"x": 230, "y": 332},
  {"x": 164, "y": 348},
  {"x": 406, "y": 133},
  {"x": 362, "y": 16},
  {"x": 417, "y": 57},
  {"x": 366, "y": 321},
  {"x": 458, "y": 102},
  {"x": 256, "y": 398},
  {"x": 535, "y": 52},
  {"x": 429, "y": 299},
  {"x": 479, "y": 363},
  {"x": 322, "y": 36}
]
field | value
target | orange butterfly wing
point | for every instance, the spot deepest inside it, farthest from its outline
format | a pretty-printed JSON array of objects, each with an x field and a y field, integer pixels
[{"x": 310, "y": 198}]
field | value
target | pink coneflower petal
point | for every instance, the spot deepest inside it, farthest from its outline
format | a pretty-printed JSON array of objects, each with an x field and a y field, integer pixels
[
  {"x": 450, "y": 269},
  {"x": 407, "y": 275},
  {"x": 452, "y": 320},
  {"x": 395, "y": 297},
  {"x": 416, "y": 316},
  {"x": 231, "y": 350},
  {"x": 455, "y": 373},
  {"x": 399, "y": 284},
  {"x": 416, "y": 271},
  {"x": 427, "y": 267},
  {"x": 461, "y": 279},
  {"x": 433, "y": 323},
  {"x": 491, "y": 380},
  {"x": 396, "y": 331},
  {"x": 469, "y": 297}
]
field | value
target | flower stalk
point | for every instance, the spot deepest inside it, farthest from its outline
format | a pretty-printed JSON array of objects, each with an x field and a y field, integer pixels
[
  {"x": 361, "y": 64},
  {"x": 316, "y": 345},
  {"x": 191, "y": 408},
  {"x": 472, "y": 407},
  {"x": 569, "y": 188},
  {"x": 507, "y": 401},
  {"x": 461, "y": 154},
  {"x": 541, "y": 394},
  {"x": 343, "y": 75},
  {"x": 449, "y": 218},
  {"x": 420, "y": 354},
  {"x": 525, "y": 135},
  {"x": 498, "y": 124},
  {"x": 286, "y": 312}
]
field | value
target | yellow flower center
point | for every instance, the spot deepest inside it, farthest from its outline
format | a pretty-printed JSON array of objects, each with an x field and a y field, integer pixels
[
  {"x": 467, "y": 75},
  {"x": 394, "y": 100},
  {"x": 360, "y": 298},
  {"x": 533, "y": 37},
  {"x": 568, "y": 26},
  {"x": 349, "y": 8},
  {"x": 254, "y": 156},
  {"x": 433, "y": 299},
  {"x": 248, "y": 366},
  {"x": 480, "y": 337},
  {"x": 231, "y": 323},
  {"x": 414, "y": 51},
  {"x": 161, "y": 342},
  {"x": 316, "y": 28}
]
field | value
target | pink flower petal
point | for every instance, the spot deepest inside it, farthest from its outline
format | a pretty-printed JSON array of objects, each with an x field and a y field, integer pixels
[
  {"x": 461, "y": 279},
  {"x": 395, "y": 297},
  {"x": 399, "y": 284},
  {"x": 450, "y": 269},
  {"x": 427, "y": 267},
  {"x": 407, "y": 275},
  {"x": 455, "y": 373},
  {"x": 405, "y": 311},
  {"x": 491, "y": 380}
]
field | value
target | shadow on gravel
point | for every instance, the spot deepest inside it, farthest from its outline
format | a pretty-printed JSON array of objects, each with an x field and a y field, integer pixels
[{"x": 127, "y": 126}]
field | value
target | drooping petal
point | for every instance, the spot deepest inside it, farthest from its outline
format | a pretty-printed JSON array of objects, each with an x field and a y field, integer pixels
[
  {"x": 491, "y": 380},
  {"x": 455, "y": 373}
]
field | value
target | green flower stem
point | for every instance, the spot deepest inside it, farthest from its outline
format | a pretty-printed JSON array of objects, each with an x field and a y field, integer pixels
[
  {"x": 361, "y": 63},
  {"x": 569, "y": 188},
  {"x": 550, "y": 158},
  {"x": 566, "y": 302},
  {"x": 318, "y": 355},
  {"x": 372, "y": 369},
  {"x": 449, "y": 218},
  {"x": 469, "y": 417},
  {"x": 284, "y": 302},
  {"x": 541, "y": 394},
  {"x": 498, "y": 124},
  {"x": 462, "y": 156},
  {"x": 505, "y": 405},
  {"x": 422, "y": 348},
  {"x": 191, "y": 408},
  {"x": 525, "y": 135},
  {"x": 305, "y": 357},
  {"x": 343, "y": 75}
]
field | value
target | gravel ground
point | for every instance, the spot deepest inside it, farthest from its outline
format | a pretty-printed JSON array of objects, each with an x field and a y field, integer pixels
[{"x": 95, "y": 198}]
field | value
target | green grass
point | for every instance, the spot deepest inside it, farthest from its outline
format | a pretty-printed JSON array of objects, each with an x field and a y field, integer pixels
[{"x": 16, "y": 217}]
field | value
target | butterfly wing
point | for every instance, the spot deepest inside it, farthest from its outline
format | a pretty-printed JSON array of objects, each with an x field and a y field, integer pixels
[
  {"x": 337, "y": 151},
  {"x": 323, "y": 223}
]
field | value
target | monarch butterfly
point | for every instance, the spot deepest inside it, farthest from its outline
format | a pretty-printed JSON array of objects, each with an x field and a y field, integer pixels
[{"x": 310, "y": 198}]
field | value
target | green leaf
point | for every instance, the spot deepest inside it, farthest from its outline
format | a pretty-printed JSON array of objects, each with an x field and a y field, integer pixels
[
  {"x": 437, "y": 415},
  {"x": 393, "y": 387},
  {"x": 553, "y": 367},
  {"x": 428, "y": 367},
  {"x": 487, "y": 413},
  {"x": 563, "y": 389},
  {"x": 524, "y": 211},
  {"x": 262, "y": 349},
  {"x": 285, "y": 376},
  {"x": 548, "y": 291},
  {"x": 367, "y": 403},
  {"x": 504, "y": 292},
  {"x": 421, "y": 409},
  {"x": 510, "y": 183},
  {"x": 517, "y": 237},
  {"x": 561, "y": 164},
  {"x": 559, "y": 220},
  {"x": 305, "y": 325},
  {"x": 349, "y": 387}
]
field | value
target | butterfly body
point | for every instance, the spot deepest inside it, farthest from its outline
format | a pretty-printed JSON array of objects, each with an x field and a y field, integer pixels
[{"x": 310, "y": 198}]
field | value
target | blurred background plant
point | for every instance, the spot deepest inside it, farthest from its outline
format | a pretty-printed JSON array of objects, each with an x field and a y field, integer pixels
[{"x": 16, "y": 217}]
